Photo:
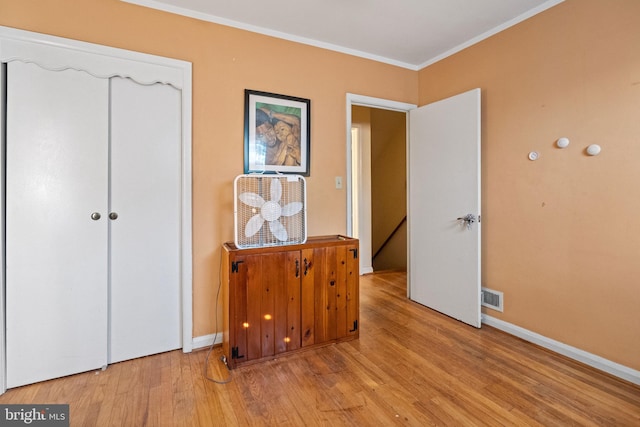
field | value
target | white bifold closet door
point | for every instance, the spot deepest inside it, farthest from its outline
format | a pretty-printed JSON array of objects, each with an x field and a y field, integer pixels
[
  {"x": 56, "y": 255},
  {"x": 145, "y": 238},
  {"x": 83, "y": 291}
]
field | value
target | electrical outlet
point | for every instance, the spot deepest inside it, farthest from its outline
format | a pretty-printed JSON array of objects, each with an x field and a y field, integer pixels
[{"x": 339, "y": 182}]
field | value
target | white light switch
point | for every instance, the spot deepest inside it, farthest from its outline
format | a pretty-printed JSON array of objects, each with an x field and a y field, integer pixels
[{"x": 339, "y": 182}]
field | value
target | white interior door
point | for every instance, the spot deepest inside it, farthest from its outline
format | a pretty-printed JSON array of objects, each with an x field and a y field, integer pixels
[
  {"x": 56, "y": 254},
  {"x": 145, "y": 237},
  {"x": 444, "y": 185}
]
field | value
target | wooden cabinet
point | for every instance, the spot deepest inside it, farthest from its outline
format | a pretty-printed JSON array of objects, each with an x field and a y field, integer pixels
[{"x": 282, "y": 299}]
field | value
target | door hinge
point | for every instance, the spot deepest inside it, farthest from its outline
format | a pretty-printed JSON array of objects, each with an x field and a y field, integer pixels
[
  {"x": 235, "y": 266},
  {"x": 355, "y": 253},
  {"x": 355, "y": 326},
  {"x": 234, "y": 353}
]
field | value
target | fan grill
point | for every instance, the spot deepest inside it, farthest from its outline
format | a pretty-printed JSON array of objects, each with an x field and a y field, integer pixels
[{"x": 256, "y": 203}]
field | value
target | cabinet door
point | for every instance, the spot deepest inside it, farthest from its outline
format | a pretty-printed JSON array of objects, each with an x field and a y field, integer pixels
[
  {"x": 289, "y": 338},
  {"x": 353, "y": 290},
  {"x": 265, "y": 294},
  {"x": 329, "y": 293},
  {"x": 56, "y": 254},
  {"x": 145, "y": 236},
  {"x": 322, "y": 289}
]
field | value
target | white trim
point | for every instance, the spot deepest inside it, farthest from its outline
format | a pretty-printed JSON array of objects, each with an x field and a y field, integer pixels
[
  {"x": 574, "y": 353},
  {"x": 518, "y": 19},
  {"x": 186, "y": 254},
  {"x": 3, "y": 360},
  {"x": 176, "y": 72},
  {"x": 385, "y": 104},
  {"x": 366, "y": 101},
  {"x": 206, "y": 341},
  {"x": 97, "y": 60},
  {"x": 336, "y": 48},
  {"x": 266, "y": 31}
]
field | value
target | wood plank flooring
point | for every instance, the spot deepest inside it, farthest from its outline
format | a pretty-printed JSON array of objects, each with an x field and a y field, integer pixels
[{"x": 411, "y": 366}]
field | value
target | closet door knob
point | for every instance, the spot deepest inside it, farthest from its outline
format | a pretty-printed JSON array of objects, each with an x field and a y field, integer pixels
[
  {"x": 95, "y": 216},
  {"x": 113, "y": 215}
]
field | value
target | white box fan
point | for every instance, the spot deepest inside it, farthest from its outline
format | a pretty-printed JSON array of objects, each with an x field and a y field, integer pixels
[{"x": 269, "y": 210}]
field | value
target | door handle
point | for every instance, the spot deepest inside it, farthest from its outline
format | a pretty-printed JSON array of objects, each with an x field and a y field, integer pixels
[
  {"x": 113, "y": 215},
  {"x": 468, "y": 220},
  {"x": 307, "y": 266},
  {"x": 95, "y": 216}
]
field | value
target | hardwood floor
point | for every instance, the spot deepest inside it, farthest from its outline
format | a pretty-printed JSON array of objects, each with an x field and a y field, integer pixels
[{"x": 411, "y": 366}]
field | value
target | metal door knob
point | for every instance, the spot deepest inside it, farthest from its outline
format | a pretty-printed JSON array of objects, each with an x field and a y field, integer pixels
[
  {"x": 95, "y": 216},
  {"x": 468, "y": 220},
  {"x": 113, "y": 215}
]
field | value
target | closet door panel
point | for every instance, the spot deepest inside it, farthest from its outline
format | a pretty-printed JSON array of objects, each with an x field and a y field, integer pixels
[
  {"x": 145, "y": 237},
  {"x": 56, "y": 254}
]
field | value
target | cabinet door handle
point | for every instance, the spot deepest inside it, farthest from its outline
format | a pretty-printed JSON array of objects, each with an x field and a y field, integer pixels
[
  {"x": 307, "y": 266},
  {"x": 297, "y": 268}
]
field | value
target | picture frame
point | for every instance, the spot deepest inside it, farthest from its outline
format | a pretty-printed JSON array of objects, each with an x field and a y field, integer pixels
[{"x": 277, "y": 133}]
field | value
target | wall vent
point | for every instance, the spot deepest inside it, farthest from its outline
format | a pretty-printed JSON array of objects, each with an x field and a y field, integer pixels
[{"x": 492, "y": 299}]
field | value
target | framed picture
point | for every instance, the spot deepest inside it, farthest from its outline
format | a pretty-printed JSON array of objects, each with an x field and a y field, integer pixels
[{"x": 276, "y": 133}]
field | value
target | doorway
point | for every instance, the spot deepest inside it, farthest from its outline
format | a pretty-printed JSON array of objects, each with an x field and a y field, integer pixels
[
  {"x": 383, "y": 133},
  {"x": 376, "y": 180}
]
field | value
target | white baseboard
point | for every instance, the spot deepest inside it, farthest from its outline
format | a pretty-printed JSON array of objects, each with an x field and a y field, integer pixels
[
  {"x": 592, "y": 360},
  {"x": 574, "y": 353},
  {"x": 366, "y": 270},
  {"x": 206, "y": 340}
]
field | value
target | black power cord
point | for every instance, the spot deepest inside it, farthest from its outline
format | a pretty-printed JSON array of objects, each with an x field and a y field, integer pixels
[{"x": 222, "y": 358}]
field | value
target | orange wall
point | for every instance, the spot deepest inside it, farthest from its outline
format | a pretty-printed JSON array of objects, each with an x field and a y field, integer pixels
[
  {"x": 225, "y": 62},
  {"x": 561, "y": 235}
]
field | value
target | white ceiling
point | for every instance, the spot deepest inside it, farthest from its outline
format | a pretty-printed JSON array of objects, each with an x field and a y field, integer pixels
[{"x": 407, "y": 33}]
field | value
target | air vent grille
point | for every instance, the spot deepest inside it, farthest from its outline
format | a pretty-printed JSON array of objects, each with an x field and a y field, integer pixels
[{"x": 492, "y": 299}]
